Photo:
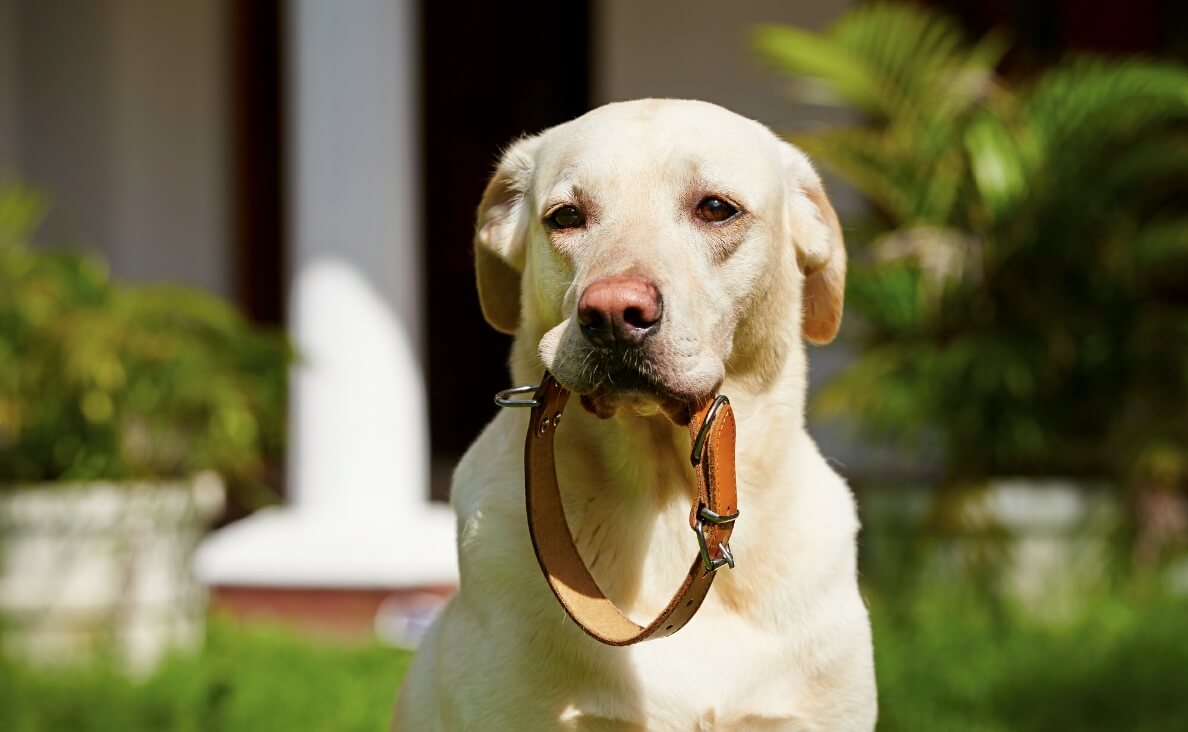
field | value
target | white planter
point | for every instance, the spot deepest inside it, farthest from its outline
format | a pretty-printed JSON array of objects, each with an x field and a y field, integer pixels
[
  {"x": 1043, "y": 542},
  {"x": 103, "y": 568}
]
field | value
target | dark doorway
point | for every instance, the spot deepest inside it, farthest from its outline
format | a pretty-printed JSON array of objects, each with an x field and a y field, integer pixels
[
  {"x": 1042, "y": 33},
  {"x": 256, "y": 70},
  {"x": 491, "y": 72},
  {"x": 256, "y": 44}
]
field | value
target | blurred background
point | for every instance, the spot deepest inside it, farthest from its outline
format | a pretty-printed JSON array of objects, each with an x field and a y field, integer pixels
[{"x": 240, "y": 349}]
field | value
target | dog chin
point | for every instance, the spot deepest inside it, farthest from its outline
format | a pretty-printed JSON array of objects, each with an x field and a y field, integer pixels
[
  {"x": 606, "y": 402},
  {"x": 606, "y": 392}
]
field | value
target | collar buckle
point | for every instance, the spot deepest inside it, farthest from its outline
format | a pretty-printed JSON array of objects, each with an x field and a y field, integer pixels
[{"x": 704, "y": 516}]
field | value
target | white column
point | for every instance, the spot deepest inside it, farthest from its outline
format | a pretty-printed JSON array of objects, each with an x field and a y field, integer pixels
[{"x": 358, "y": 472}]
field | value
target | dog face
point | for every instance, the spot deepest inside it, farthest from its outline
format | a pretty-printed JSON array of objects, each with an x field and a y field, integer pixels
[{"x": 649, "y": 249}]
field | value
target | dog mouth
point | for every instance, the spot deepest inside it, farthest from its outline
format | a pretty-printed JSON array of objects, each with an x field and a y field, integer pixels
[{"x": 609, "y": 384}]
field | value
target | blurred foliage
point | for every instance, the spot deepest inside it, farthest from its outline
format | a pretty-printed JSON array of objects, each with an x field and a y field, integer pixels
[
  {"x": 248, "y": 678},
  {"x": 945, "y": 661},
  {"x": 1023, "y": 280},
  {"x": 100, "y": 380}
]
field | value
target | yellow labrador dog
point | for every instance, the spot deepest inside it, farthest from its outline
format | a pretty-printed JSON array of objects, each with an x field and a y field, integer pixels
[{"x": 649, "y": 254}]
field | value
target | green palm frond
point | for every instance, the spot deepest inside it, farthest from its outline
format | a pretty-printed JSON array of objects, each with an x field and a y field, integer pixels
[
  {"x": 890, "y": 61},
  {"x": 1001, "y": 162},
  {"x": 1088, "y": 105},
  {"x": 1161, "y": 243},
  {"x": 876, "y": 163},
  {"x": 808, "y": 55},
  {"x": 901, "y": 369},
  {"x": 1067, "y": 201},
  {"x": 1108, "y": 141},
  {"x": 922, "y": 54},
  {"x": 912, "y": 180},
  {"x": 892, "y": 295},
  {"x": 1156, "y": 161}
]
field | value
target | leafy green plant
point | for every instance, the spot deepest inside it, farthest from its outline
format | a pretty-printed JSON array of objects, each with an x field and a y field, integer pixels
[
  {"x": 249, "y": 677},
  {"x": 1021, "y": 280},
  {"x": 100, "y": 380},
  {"x": 947, "y": 660}
]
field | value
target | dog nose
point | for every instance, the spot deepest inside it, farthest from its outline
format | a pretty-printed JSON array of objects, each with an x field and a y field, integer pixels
[{"x": 621, "y": 310}]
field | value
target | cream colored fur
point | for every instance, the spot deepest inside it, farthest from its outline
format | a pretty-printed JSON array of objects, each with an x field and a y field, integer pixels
[{"x": 783, "y": 641}]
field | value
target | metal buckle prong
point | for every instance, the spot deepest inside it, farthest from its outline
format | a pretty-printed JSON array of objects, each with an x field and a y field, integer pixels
[
  {"x": 504, "y": 398},
  {"x": 711, "y": 564},
  {"x": 703, "y": 433}
]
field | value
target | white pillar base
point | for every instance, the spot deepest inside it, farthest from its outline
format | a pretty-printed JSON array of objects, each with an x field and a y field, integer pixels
[{"x": 288, "y": 547}]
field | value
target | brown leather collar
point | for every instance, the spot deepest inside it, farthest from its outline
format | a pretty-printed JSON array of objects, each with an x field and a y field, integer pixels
[{"x": 711, "y": 435}]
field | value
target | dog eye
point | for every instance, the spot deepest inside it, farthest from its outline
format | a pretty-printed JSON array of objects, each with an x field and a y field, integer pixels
[
  {"x": 715, "y": 210},
  {"x": 566, "y": 217}
]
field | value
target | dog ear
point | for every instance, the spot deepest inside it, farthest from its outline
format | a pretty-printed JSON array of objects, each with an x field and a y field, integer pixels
[
  {"x": 499, "y": 237},
  {"x": 820, "y": 250}
]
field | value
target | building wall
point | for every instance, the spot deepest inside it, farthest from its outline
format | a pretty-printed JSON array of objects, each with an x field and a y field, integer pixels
[
  {"x": 9, "y": 119},
  {"x": 118, "y": 110},
  {"x": 700, "y": 49}
]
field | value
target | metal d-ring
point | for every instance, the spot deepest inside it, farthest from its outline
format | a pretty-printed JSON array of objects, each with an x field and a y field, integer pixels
[
  {"x": 504, "y": 398},
  {"x": 699, "y": 443},
  {"x": 708, "y": 516}
]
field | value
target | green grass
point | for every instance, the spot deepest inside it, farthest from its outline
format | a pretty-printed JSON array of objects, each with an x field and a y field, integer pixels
[
  {"x": 249, "y": 678},
  {"x": 946, "y": 661}
]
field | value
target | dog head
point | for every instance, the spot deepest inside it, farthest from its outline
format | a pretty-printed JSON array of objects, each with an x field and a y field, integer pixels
[{"x": 649, "y": 249}]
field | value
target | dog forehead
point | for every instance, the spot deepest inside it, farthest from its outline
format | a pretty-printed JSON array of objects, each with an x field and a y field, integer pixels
[{"x": 655, "y": 140}]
